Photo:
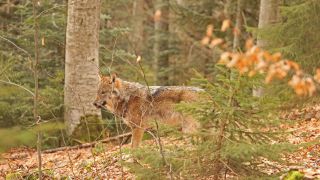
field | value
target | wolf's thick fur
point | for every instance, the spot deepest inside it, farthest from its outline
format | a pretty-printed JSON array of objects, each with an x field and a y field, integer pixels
[{"x": 138, "y": 106}]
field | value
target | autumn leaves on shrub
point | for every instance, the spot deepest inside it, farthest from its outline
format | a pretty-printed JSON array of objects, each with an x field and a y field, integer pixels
[{"x": 258, "y": 61}]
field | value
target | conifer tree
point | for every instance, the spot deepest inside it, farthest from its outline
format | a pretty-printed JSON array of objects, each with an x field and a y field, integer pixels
[
  {"x": 296, "y": 35},
  {"x": 237, "y": 134}
]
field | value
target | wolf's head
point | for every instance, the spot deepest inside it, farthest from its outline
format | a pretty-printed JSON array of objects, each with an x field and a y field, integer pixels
[{"x": 108, "y": 93}]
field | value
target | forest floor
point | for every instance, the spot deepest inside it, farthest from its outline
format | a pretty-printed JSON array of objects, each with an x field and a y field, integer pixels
[{"x": 103, "y": 161}]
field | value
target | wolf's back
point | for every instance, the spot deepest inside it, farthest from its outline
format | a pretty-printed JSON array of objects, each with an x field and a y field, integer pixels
[{"x": 174, "y": 93}]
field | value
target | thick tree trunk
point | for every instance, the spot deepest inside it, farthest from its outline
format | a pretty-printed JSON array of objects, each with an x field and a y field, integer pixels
[
  {"x": 269, "y": 14},
  {"x": 161, "y": 44},
  {"x": 82, "y": 60}
]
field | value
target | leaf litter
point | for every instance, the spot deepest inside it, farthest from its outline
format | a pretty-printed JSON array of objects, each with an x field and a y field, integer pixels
[{"x": 105, "y": 163}]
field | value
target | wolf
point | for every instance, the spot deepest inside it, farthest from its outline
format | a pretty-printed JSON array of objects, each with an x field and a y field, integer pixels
[{"x": 138, "y": 105}]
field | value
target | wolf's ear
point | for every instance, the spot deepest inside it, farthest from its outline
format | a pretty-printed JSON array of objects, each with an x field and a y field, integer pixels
[
  {"x": 113, "y": 77},
  {"x": 100, "y": 76},
  {"x": 116, "y": 81}
]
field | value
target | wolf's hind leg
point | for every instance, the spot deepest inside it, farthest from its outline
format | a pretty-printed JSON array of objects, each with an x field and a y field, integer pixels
[
  {"x": 190, "y": 127},
  {"x": 187, "y": 123},
  {"x": 137, "y": 134}
]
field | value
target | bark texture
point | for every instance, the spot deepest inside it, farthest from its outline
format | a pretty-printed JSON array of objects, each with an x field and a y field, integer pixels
[
  {"x": 161, "y": 44},
  {"x": 268, "y": 15},
  {"x": 81, "y": 61}
]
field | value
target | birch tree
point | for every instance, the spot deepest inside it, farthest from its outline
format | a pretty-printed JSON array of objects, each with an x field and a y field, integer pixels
[{"x": 81, "y": 61}]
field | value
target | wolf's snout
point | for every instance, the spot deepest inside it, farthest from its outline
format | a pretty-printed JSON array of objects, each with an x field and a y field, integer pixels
[{"x": 100, "y": 104}]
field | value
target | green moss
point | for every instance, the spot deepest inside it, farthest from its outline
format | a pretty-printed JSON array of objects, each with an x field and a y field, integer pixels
[
  {"x": 13, "y": 176},
  {"x": 294, "y": 175},
  {"x": 91, "y": 128}
]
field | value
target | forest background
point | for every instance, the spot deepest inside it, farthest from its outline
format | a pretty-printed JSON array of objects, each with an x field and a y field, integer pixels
[{"x": 175, "y": 41}]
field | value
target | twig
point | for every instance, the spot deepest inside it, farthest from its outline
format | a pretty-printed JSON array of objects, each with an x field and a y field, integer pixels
[
  {"x": 113, "y": 51},
  {"x": 39, "y": 155},
  {"x": 228, "y": 167},
  {"x": 21, "y": 49},
  {"x": 86, "y": 145},
  {"x": 120, "y": 149},
  {"x": 160, "y": 144},
  {"x": 144, "y": 78},
  {"x": 156, "y": 122},
  {"x": 20, "y": 86},
  {"x": 47, "y": 10},
  {"x": 36, "y": 85},
  {"x": 62, "y": 135}
]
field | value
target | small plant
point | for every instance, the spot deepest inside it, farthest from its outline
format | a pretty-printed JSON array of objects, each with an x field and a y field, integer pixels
[
  {"x": 14, "y": 176},
  {"x": 294, "y": 175},
  {"x": 238, "y": 128},
  {"x": 98, "y": 149}
]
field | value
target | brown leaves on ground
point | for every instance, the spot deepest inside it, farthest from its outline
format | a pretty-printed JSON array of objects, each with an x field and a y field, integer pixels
[
  {"x": 305, "y": 129},
  {"x": 103, "y": 161},
  {"x": 74, "y": 164}
]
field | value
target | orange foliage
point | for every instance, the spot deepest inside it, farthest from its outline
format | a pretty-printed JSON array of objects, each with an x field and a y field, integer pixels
[
  {"x": 157, "y": 15},
  {"x": 225, "y": 25},
  {"x": 255, "y": 60},
  {"x": 215, "y": 42},
  {"x": 317, "y": 76},
  {"x": 209, "y": 30}
]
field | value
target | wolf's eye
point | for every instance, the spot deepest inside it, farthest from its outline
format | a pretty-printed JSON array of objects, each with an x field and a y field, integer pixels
[{"x": 103, "y": 92}]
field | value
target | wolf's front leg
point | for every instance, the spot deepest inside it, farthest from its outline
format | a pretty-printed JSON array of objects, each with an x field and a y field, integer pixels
[{"x": 137, "y": 134}]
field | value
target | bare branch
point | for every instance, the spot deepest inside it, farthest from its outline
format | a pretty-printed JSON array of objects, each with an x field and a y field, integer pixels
[
  {"x": 15, "y": 45},
  {"x": 20, "y": 86},
  {"x": 86, "y": 145}
]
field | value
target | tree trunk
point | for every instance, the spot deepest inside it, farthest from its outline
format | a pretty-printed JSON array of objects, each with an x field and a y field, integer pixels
[
  {"x": 161, "y": 44},
  {"x": 137, "y": 30},
  {"x": 82, "y": 60},
  {"x": 239, "y": 24},
  {"x": 269, "y": 14}
]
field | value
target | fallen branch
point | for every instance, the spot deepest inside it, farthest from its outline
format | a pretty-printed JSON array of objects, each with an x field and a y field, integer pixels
[{"x": 86, "y": 145}]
